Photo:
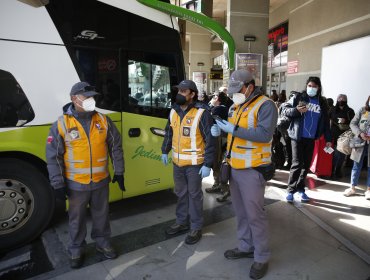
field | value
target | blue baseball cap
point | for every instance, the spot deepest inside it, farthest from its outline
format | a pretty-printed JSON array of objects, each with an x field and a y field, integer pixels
[
  {"x": 237, "y": 79},
  {"x": 84, "y": 89},
  {"x": 187, "y": 84}
]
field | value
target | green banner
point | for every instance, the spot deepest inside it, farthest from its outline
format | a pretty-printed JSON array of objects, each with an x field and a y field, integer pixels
[{"x": 198, "y": 19}]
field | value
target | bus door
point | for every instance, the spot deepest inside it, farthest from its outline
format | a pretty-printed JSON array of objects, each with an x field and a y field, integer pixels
[{"x": 146, "y": 109}]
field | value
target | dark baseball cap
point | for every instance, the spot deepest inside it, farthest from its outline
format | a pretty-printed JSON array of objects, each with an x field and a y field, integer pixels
[
  {"x": 84, "y": 89},
  {"x": 237, "y": 79},
  {"x": 187, "y": 84}
]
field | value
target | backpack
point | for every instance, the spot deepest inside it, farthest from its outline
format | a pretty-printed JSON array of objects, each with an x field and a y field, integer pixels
[
  {"x": 343, "y": 142},
  {"x": 283, "y": 122}
]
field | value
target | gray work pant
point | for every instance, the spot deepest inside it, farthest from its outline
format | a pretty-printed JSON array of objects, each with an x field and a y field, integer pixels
[
  {"x": 247, "y": 188},
  {"x": 188, "y": 188},
  {"x": 97, "y": 200}
]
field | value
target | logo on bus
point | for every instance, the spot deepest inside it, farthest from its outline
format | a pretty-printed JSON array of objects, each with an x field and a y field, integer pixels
[{"x": 88, "y": 35}]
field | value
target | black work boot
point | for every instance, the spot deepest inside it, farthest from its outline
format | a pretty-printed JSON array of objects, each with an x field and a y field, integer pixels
[
  {"x": 193, "y": 237},
  {"x": 75, "y": 261},
  {"x": 258, "y": 270},
  {"x": 224, "y": 197},
  {"x": 214, "y": 189},
  {"x": 176, "y": 229}
]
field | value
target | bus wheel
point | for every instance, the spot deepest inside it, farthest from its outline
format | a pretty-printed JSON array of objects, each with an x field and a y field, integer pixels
[{"x": 26, "y": 203}]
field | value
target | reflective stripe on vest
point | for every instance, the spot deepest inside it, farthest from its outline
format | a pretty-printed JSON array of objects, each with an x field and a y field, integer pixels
[
  {"x": 187, "y": 141},
  {"x": 85, "y": 158},
  {"x": 245, "y": 153}
]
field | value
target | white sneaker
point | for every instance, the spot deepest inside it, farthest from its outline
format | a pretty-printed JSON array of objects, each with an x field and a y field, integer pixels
[
  {"x": 367, "y": 195},
  {"x": 349, "y": 192}
]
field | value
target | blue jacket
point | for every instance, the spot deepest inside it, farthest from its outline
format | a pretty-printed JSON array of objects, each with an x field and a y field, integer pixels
[{"x": 290, "y": 110}]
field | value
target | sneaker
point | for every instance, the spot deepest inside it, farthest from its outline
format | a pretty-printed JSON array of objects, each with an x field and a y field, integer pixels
[
  {"x": 258, "y": 270},
  {"x": 108, "y": 252},
  {"x": 290, "y": 197},
  {"x": 367, "y": 195},
  {"x": 214, "y": 189},
  {"x": 224, "y": 197},
  {"x": 349, "y": 192},
  {"x": 75, "y": 261},
  {"x": 304, "y": 197},
  {"x": 233, "y": 254},
  {"x": 177, "y": 228},
  {"x": 193, "y": 237}
]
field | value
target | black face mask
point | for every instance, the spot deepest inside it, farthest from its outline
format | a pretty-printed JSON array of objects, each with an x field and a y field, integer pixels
[
  {"x": 342, "y": 103},
  {"x": 180, "y": 99}
]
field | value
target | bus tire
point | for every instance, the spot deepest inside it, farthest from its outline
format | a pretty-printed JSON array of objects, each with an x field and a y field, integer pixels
[{"x": 26, "y": 202}]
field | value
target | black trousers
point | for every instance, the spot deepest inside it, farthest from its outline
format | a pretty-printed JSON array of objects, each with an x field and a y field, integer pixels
[{"x": 301, "y": 160}]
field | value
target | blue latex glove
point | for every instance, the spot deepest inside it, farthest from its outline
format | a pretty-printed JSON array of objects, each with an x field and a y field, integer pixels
[
  {"x": 204, "y": 171},
  {"x": 226, "y": 126},
  {"x": 164, "y": 159},
  {"x": 215, "y": 130}
]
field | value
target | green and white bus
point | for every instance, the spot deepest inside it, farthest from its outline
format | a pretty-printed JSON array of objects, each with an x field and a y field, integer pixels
[{"x": 130, "y": 52}]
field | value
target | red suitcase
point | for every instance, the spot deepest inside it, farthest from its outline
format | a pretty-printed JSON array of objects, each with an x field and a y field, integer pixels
[{"x": 321, "y": 163}]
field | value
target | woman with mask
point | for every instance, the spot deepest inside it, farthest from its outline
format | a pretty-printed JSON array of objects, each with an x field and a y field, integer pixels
[
  {"x": 360, "y": 126},
  {"x": 309, "y": 114},
  {"x": 188, "y": 135},
  {"x": 340, "y": 117}
]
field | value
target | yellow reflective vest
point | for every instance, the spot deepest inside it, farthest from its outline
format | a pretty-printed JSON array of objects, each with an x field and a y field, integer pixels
[
  {"x": 85, "y": 158},
  {"x": 245, "y": 153},
  {"x": 188, "y": 145}
]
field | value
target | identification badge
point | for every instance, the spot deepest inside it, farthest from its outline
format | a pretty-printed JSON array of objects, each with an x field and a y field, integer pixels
[
  {"x": 73, "y": 133},
  {"x": 186, "y": 131}
]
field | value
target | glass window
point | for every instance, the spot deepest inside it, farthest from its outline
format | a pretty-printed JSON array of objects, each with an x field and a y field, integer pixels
[
  {"x": 15, "y": 110},
  {"x": 149, "y": 85}
]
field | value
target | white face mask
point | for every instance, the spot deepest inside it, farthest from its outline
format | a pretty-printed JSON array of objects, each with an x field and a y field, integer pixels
[
  {"x": 88, "y": 104},
  {"x": 238, "y": 98},
  {"x": 213, "y": 102}
]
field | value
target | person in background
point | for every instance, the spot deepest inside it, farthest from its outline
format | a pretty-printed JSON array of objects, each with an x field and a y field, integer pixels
[
  {"x": 309, "y": 114},
  {"x": 340, "y": 117},
  {"x": 203, "y": 97},
  {"x": 360, "y": 126},
  {"x": 188, "y": 134},
  {"x": 77, "y": 152},
  {"x": 251, "y": 124},
  {"x": 330, "y": 103},
  {"x": 229, "y": 102},
  {"x": 219, "y": 108},
  {"x": 274, "y": 96}
]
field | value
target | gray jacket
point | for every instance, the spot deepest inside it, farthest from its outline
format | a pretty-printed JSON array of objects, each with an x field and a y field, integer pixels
[
  {"x": 55, "y": 150},
  {"x": 360, "y": 123}
]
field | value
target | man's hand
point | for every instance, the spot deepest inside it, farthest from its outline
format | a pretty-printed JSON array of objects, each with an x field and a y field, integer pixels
[
  {"x": 226, "y": 126},
  {"x": 61, "y": 193},
  {"x": 215, "y": 130},
  {"x": 164, "y": 159},
  {"x": 120, "y": 180},
  {"x": 204, "y": 171}
]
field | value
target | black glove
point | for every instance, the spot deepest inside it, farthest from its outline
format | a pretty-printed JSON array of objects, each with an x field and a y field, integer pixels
[
  {"x": 61, "y": 193},
  {"x": 120, "y": 180}
]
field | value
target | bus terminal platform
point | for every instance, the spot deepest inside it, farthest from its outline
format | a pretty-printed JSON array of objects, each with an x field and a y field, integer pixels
[{"x": 328, "y": 238}]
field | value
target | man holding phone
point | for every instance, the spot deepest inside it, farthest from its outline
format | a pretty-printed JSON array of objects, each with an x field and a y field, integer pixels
[{"x": 250, "y": 126}]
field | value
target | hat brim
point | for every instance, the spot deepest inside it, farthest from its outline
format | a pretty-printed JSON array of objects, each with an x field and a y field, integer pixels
[
  {"x": 89, "y": 93},
  {"x": 234, "y": 87},
  {"x": 183, "y": 87}
]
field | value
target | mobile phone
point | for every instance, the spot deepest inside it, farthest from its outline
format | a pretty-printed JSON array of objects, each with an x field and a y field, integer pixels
[
  {"x": 302, "y": 104},
  {"x": 217, "y": 118}
]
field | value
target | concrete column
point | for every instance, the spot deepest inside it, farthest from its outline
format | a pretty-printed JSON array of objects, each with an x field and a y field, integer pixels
[
  {"x": 249, "y": 17},
  {"x": 199, "y": 51}
]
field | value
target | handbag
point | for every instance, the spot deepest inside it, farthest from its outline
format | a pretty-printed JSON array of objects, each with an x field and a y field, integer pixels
[
  {"x": 343, "y": 142},
  {"x": 267, "y": 171},
  {"x": 225, "y": 172}
]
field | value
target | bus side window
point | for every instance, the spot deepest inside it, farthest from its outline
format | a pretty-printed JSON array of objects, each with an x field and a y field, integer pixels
[
  {"x": 15, "y": 110},
  {"x": 150, "y": 89}
]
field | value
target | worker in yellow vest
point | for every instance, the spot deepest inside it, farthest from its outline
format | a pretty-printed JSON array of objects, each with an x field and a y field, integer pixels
[
  {"x": 250, "y": 126},
  {"x": 77, "y": 151},
  {"x": 188, "y": 135}
]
